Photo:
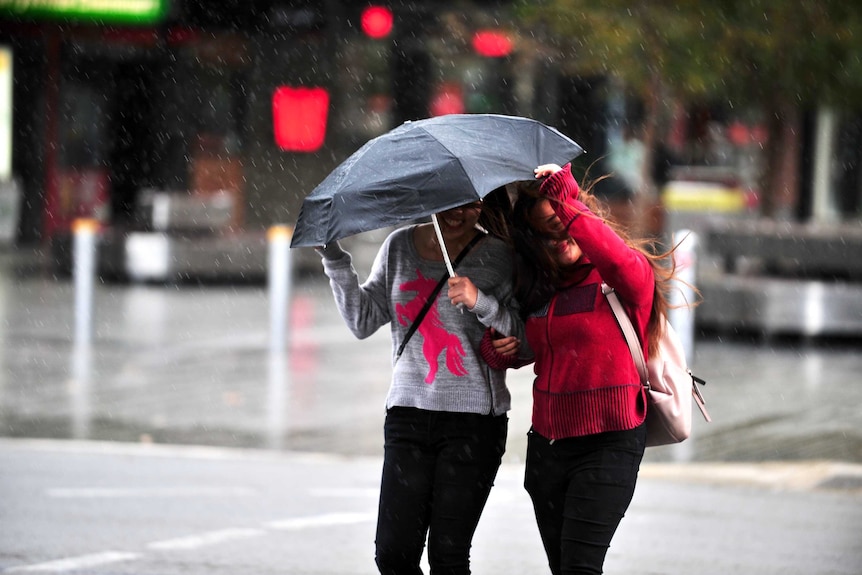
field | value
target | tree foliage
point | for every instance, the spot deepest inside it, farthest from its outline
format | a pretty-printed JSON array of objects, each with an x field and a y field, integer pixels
[
  {"x": 744, "y": 50},
  {"x": 775, "y": 57}
]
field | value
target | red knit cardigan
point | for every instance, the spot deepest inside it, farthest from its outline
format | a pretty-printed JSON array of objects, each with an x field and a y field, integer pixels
[{"x": 586, "y": 381}]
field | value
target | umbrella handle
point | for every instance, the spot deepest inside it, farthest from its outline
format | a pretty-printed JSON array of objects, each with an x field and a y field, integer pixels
[
  {"x": 446, "y": 259},
  {"x": 442, "y": 245}
]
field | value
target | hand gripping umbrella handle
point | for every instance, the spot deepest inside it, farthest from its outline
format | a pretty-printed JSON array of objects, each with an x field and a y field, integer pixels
[
  {"x": 446, "y": 259},
  {"x": 442, "y": 246}
]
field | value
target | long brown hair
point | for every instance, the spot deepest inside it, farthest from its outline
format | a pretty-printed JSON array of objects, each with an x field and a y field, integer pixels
[
  {"x": 539, "y": 275},
  {"x": 497, "y": 213}
]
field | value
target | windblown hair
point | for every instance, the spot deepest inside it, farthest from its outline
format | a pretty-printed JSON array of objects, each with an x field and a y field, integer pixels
[
  {"x": 497, "y": 213},
  {"x": 538, "y": 275}
]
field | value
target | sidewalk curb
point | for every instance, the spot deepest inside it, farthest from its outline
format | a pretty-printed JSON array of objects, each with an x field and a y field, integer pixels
[{"x": 774, "y": 475}]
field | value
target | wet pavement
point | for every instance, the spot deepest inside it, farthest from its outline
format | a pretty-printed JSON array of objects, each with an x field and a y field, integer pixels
[
  {"x": 193, "y": 364},
  {"x": 175, "y": 365},
  {"x": 115, "y": 508}
]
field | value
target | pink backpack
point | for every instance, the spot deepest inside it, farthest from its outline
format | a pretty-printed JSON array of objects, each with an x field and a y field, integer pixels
[{"x": 667, "y": 379}]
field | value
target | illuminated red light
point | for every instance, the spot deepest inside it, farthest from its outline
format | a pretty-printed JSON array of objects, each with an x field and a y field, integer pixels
[
  {"x": 448, "y": 99},
  {"x": 492, "y": 43},
  {"x": 299, "y": 118},
  {"x": 377, "y": 22}
]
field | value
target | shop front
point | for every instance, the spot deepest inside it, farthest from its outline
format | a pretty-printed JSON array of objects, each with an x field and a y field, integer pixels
[{"x": 110, "y": 109}]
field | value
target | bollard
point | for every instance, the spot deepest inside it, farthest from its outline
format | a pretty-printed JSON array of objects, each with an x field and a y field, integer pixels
[
  {"x": 279, "y": 282},
  {"x": 278, "y": 383},
  {"x": 682, "y": 296},
  {"x": 84, "y": 233}
]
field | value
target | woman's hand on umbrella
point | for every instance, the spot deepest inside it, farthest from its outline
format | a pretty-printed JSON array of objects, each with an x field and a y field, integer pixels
[
  {"x": 546, "y": 170},
  {"x": 463, "y": 291}
]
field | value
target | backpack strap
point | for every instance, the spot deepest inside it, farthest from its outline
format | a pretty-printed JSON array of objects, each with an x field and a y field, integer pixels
[
  {"x": 433, "y": 295},
  {"x": 628, "y": 332},
  {"x": 632, "y": 340}
]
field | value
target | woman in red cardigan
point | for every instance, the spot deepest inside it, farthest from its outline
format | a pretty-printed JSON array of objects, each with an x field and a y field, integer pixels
[{"x": 588, "y": 435}]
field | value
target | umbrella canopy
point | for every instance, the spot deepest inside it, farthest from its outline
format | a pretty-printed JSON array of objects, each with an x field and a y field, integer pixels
[{"x": 425, "y": 167}]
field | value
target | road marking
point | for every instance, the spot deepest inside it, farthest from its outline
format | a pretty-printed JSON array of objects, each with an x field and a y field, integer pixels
[
  {"x": 76, "y": 563},
  {"x": 204, "y": 539},
  {"x": 123, "y": 492},
  {"x": 320, "y": 521},
  {"x": 194, "y": 542}
]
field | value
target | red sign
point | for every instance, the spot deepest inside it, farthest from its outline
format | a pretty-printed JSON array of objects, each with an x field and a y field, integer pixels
[{"x": 299, "y": 118}]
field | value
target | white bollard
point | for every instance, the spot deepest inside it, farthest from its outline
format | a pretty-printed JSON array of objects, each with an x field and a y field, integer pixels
[
  {"x": 682, "y": 296},
  {"x": 278, "y": 383},
  {"x": 80, "y": 389},
  {"x": 84, "y": 232},
  {"x": 279, "y": 283}
]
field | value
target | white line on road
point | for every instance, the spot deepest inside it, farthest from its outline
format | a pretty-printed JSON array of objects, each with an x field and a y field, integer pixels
[
  {"x": 320, "y": 521},
  {"x": 76, "y": 563},
  {"x": 204, "y": 539},
  {"x": 194, "y": 542},
  {"x": 127, "y": 492}
]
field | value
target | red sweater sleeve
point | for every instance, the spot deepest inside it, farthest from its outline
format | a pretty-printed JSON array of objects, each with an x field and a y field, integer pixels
[
  {"x": 562, "y": 188},
  {"x": 496, "y": 360},
  {"x": 622, "y": 267}
]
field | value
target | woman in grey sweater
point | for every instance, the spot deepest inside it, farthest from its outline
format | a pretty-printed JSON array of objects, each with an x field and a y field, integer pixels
[{"x": 446, "y": 410}]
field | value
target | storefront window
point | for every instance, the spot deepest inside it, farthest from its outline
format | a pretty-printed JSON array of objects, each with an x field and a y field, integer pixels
[
  {"x": 217, "y": 113},
  {"x": 212, "y": 105},
  {"x": 83, "y": 117},
  {"x": 365, "y": 88}
]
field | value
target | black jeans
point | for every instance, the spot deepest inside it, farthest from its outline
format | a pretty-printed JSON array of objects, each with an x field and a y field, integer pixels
[
  {"x": 581, "y": 487},
  {"x": 438, "y": 469}
]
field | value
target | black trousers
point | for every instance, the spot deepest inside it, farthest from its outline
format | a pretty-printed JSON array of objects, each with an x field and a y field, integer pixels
[
  {"x": 581, "y": 488},
  {"x": 438, "y": 470}
]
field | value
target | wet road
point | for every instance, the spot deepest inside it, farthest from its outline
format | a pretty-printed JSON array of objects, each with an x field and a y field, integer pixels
[
  {"x": 771, "y": 487},
  {"x": 114, "y": 508},
  {"x": 192, "y": 364}
]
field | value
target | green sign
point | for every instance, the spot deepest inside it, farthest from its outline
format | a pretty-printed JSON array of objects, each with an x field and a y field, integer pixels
[{"x": 107, "y": 11}]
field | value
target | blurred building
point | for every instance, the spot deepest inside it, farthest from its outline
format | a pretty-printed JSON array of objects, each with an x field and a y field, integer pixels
[
  {"x": 222, "y": 116},
  {"x": 188, "y": 127}
]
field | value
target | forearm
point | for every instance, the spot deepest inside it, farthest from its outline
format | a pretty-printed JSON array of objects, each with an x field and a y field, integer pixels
[
  {"x": 363, "y": 307},
  {"x": 503, "y": 318},
  {"x": 563, "y": 190},
  {"x": 621, "y": 266},
  {"x": 497, "y": 360}
]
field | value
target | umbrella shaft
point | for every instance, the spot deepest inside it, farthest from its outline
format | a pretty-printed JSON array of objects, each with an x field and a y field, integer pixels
[{"x": 442, "y": 245}]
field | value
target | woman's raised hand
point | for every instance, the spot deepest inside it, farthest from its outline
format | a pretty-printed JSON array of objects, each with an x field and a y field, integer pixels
[{"x": 546, "y": 170}]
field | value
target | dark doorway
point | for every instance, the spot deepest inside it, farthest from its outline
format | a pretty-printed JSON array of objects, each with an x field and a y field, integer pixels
[{"x": 133, "y": 131}]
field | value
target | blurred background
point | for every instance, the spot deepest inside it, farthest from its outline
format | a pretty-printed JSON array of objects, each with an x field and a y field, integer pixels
[
  {"x": 187, "y": 128},
  {"x": 154, "y": 154}
]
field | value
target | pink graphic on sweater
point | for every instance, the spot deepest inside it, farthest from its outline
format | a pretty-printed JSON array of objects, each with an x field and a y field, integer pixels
[{"x": 436, "y": 338}]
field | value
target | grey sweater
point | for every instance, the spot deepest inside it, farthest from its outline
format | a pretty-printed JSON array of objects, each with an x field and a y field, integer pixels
[{"x": 441, "y": 368}]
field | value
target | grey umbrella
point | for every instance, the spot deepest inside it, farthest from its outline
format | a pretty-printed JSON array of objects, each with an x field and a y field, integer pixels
[{"x": 425, "y": 167}]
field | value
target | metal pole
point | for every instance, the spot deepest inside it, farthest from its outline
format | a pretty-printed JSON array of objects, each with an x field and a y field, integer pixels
[
  {"x": 682, "y": 296},
  {"x": 84, "y": 272},
  {"x": 279, "y": 283}
]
